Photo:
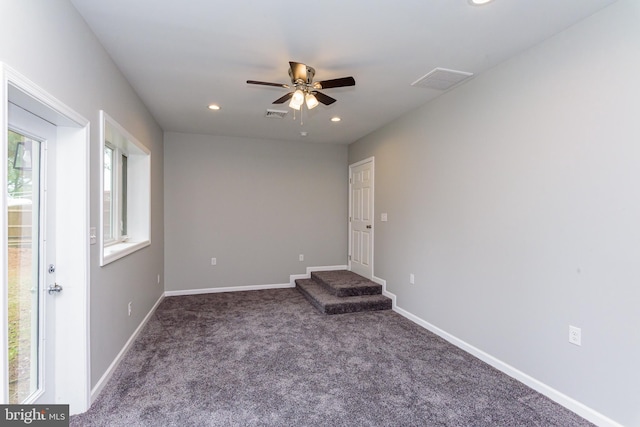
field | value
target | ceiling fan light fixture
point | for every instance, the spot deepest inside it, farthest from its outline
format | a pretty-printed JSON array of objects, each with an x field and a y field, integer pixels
[
  {"x": 295, "y": 106},
  {"x": 311, "y": 101},
  {"x": 297, "y": 100}
]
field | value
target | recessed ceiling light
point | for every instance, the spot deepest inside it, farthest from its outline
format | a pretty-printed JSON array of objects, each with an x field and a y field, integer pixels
[
  {"x": 335, "y": 119},
  {"x": 479, "y": 2},
  {"x": 214, "y": 107}
]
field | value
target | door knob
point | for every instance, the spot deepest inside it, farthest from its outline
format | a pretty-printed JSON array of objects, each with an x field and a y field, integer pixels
[
  {"x": 369, "y": 226},
  {"x": 54, "y": 288}
]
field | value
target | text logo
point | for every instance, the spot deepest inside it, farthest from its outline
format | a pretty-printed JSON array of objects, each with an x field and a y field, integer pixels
[{"x": 35, "y": 415}]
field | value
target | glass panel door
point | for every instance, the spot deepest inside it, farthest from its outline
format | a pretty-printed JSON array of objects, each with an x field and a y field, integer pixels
[{"x": 23, "y": 182}]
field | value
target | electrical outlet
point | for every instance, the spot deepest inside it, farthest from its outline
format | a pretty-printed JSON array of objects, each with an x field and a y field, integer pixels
[
  {"x": 129, "y": 308},
  {"x": 301, "y": 257},
  {"x": 412, "y": 279},
  {"x": 383, "y": 217},
  {"x": 214, "y": 261},
  {"x": 575, "y": 335}
]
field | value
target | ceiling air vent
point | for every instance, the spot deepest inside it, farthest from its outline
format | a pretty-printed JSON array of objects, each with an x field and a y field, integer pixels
[
  {"x": 276, "y": 114},
  {"x": 441, "y": 79}
]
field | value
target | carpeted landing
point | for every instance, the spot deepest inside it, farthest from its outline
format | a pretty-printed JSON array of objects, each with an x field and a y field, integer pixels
[
  {"x": 342, "y": 291},
  {"x": 268, "y": 358}
]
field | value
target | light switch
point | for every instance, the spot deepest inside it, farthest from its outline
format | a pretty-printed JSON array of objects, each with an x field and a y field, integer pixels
[
  {"x": 93, "y": 236},
  {"x": 383, "y": 217}
]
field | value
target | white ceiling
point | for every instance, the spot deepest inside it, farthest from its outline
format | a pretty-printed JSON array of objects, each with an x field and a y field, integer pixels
[{"x": 180, "y": 56}]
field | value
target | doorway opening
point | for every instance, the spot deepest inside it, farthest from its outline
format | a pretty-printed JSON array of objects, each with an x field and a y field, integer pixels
[
  {"x": 361, "y": 217},
  {"x": 32, "y": 213}
]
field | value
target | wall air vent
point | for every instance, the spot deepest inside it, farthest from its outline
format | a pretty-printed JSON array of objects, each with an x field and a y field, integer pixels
[
  {"x": 441, "y": 79},
  {"x": 276, "y": 114}
]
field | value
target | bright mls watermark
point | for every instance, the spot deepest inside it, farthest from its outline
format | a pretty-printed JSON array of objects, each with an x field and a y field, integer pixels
[{"x": 34, "y": 415}]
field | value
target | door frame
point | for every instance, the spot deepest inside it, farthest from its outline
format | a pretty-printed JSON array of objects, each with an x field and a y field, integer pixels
[
  {"x": 373, "y": 206},
  {"x": 72, "y": 362}
]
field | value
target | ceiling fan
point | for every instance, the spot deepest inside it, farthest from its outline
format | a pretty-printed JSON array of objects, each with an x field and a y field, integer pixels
[{"x": 305, "y": 90}]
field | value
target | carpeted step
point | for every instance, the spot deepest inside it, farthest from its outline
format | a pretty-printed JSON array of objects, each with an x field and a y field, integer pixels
[
  {"x": 330, "y": 304},
  {"x": 344, "y": 283}
]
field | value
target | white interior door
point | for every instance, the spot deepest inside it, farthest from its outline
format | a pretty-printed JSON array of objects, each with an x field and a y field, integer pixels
[
  {"x": 361, "y": 218},
  {"x": 31, "y": 257}
]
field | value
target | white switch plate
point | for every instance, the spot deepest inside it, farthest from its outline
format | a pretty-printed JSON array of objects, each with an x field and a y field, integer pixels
[
  {"x": 383, "y": 217},
  {"x": 93, "y": 236},
  {"x": 301, "y": 257},
  {"x": 575, "y": 335},
  {"x": 158, "y": 278},
  {"x": 214, "y": 261},
  {"x": 412, "y": 279}
]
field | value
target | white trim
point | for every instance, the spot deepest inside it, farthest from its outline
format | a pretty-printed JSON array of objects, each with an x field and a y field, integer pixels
[
  {"x": 120, "y": 250},
  {"x": 386, "y": 293},
  {"x": 102, "y": 382},
  {"x": 553, "y": 394},
  {"x": 242, "y": 288},
  {"x": 4, "y": 279},
  {"x": 371, "y": 160},
  {"x": 227, "y": 289},
  {"x": 73, "y": 311},
  {"x": 307, "y": 275},
  {"x": 362, "y": 162}
]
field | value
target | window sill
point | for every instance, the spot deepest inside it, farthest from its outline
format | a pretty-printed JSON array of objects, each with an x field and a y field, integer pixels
[{"x": 120, "y": 250}]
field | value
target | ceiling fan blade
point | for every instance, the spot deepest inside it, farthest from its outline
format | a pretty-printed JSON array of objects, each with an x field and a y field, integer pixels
[
  {"x": 255, "y": 82},
  {"x": 298, "y": 71},
  {"x": 341, "y": 82},
  {"x": 321, "y": 97},
  {"x": 283, "y": 99}
]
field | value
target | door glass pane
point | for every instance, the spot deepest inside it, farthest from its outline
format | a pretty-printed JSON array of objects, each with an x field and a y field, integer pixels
[{"x": 23, "y": 182}]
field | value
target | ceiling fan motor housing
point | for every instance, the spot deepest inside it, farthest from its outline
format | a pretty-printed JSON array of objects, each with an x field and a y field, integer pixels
[{"x": 301, "y": 73}]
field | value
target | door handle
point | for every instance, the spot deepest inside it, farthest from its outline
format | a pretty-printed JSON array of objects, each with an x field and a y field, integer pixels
[
  {"x": 369, "y": 226},
  {"x": 54, "y": 288}
]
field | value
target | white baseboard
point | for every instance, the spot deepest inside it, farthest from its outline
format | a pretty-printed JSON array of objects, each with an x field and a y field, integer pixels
[
  {"x": 553, "y": 394},
  {"x": 227, "y": 289},
  {"x": 291, "y": 284},
  {"x": 95, "y": 392},
  {"x": 386, "y": 293},
  {"x": 558, "y": 397},
  {"x": 307, "y": 275}
]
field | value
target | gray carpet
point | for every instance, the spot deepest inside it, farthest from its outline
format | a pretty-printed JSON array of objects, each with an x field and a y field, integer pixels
[{"x": 268, "y": 358}]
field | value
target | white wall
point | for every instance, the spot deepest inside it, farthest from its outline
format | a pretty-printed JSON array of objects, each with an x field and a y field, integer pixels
[
  {"x": 255, "y": 205},
  {"x": 49, "y": 43},
  {"x": 515, "y": 201}
]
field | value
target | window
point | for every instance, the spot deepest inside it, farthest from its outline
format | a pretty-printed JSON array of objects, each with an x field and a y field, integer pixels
[
  {"x": 126, "y": 184},
  {"x": 114, "y": 195}
]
